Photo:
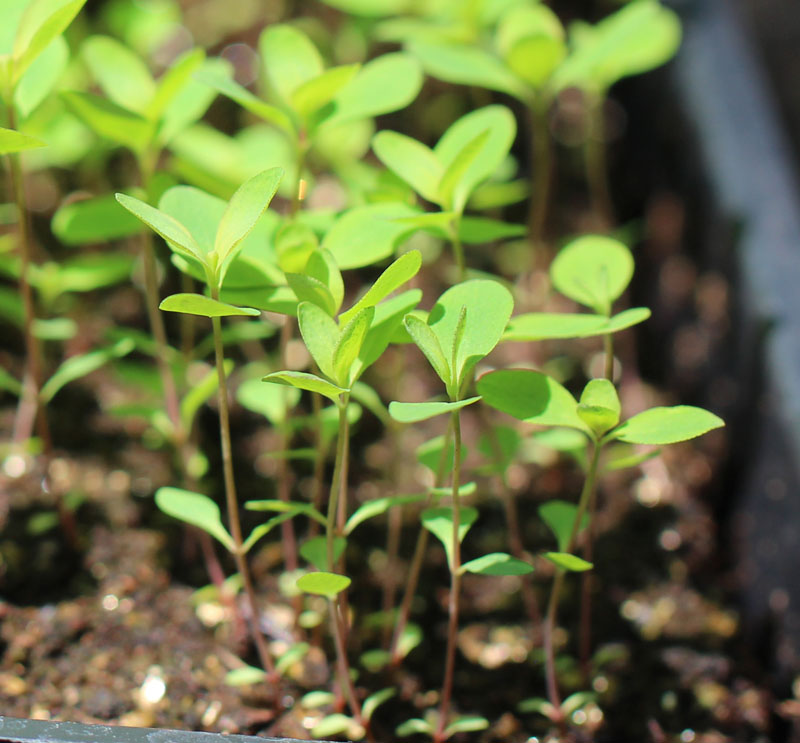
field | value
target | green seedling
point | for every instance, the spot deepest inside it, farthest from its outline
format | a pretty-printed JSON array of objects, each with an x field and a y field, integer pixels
[
  {"x": 305, "y": 99},
  {"x": 640, "y": 36},
  {"x": 467, "y": 154},
  {"x": 535, "y": 398},
  {"x": 343, "y": 345},
  {"x": 594, "y": 271},
  {"x": 30, "y": 43},
  {"x": 215, "y": 254},
  {"x": 463, "y": 327}
]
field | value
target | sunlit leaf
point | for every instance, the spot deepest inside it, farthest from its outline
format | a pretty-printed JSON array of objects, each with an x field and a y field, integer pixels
[
  {"x": 323, "y": 584},
  {"x": 667, "y": 425},
  {"x": 196, "y": 509},
  {"x": 413, "y": 412}
]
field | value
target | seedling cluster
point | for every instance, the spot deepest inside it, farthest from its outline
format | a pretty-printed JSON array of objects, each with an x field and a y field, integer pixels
[{"x": 309, "y": 225}]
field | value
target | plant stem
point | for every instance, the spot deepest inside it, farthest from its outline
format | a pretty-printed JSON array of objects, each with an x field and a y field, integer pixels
[
  {"x": 541, "y": 169},
  {"x": 589, "y": 483},
  {"x": 287, "y": 527},
  {"x": 608, "y": 349},
  {"x": 455, "y": 587},
  {"x": 232, "y": 502},
  {"x": 298, "y": 195},
  {"x": 458, "y": 248},
  {"x": 596, "y": 165},
  {"x": 515, "y": 541},
  {"x": 416, "y": 563},
  {"x": 337, "y": 605}
]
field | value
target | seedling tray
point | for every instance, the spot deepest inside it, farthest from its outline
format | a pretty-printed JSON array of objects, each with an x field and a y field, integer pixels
[{"x": 14, "y": 730}]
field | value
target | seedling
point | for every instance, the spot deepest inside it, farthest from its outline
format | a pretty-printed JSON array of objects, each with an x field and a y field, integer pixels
[
  {"x": 467, "y": 154},
  {"x": 33, "y": 32},
  {"x": 343, "y": 348},
  {"x": 305, "y": 98},
  {"x": 215, "y": 255},
  {"x": 535, "y": 398},
  {"x": 594, "y": 271},
  {"x": 463, "y": 327}
]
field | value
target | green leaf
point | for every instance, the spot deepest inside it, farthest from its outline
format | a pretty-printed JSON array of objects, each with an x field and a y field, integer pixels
[
  {"x": 369, "y": 8},
  {"x": 599, "y": 406},
  {"x": 400, "y": 271},
  {"x": 367, "y": 234},
  {"x": 667, "y": 425},
  {"x": 466, "y": 724},
  {"x": 593, "y": 270},
  {"x": 462, "y": 64},
  {"x": 314, "y": 94},
  {"x": 272, "y": 401},
  {"x": 37, "y": 29},
  {"x": 638, "y": 37},
  {"x": 309, "y": 290},
  {"x": 220, "y": 80},
  {"x": 198, "y": 304},
  {"x": 623, "y": 456},
  {"x": 412, "y": 161},
  {"x": 317, "y": 699},
  {"x": 94, "y": 220},
  {"x": 315, "y": 550},
  {"x": 532, "y": 397},
  {"x": 196, "y": 509},
  {"x": 120, "y": 73},
  {"x": 388, "y": 318},
  {"x": 244, "y": 209},
  {"x": 12, "y": 141},
  {"x": 348, "y": 346},
  {"x": 453, "y": 190},
  {"x": 488, "y": 309},
  {"x": 439, "y": 522},
  {"x": 537, "y": 326},
  {"x": 428, "y": 343},
  {"x": 560, "y": 518},
  {"x": 41, "y": 77},
  {"x": 378, "y": 506},
  {"x": 245, "y": 676},
  {"x": 83, "y": 273},
  {"x": 383, "y": 85},
  {"x": 294, "y": 654},
  {"x": 320, "y": 334},
  {"x": 305, "y": 381},
  {"x": 334, "y": 724},
  {"x": 323, "y": 584},
  {"x": 289, "y": 59},
  {"x": 321, "y": 265},
  {"x": 479, "y": 230},
  {"x": 534, "y": 59},
  {"x": 566, "y": 561},
  {"x": 110, "y": 121},
  {"x": 76, "y": 367},
  {"x": 373, "y": 701},
  {"x": 9, "y": 383},
  {"x": 413, "y": 412},
  {"x": 497, "y": 563},
  {"x": 293, "y": 507},
  {"x": 174, "y": 82},
  {"x": 195, "y": 210},
  {"x": 176, "y": 235},
  {"x": 199, "y": 393},
  {"x": 414, "y": 726}
]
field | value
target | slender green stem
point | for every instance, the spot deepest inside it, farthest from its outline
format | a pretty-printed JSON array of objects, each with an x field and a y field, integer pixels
[
  {"x": 284, "y": 483},
  {"x": 455, "y": 587},
  {"x": 337, "y": 483},
  {"x": 458, "y": 248},
  {"x": 608, "y": 350},
  {"x": 416, "y": 562},
  {"x": 233, "y": 504},
  {"x": 541, "y": 169},
  {"x": 552, "y": 608}
]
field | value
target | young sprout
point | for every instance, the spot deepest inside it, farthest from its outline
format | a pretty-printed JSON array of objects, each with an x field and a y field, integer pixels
[
  {"x": 343, "y": 345},
  {"x": 215, "y": 253},
  {"x": 463, "y": 327},
  {"x": 465, "y": 156},
  {"x": 305, "y": 100},
  {"x": 535, "y": 398}
]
